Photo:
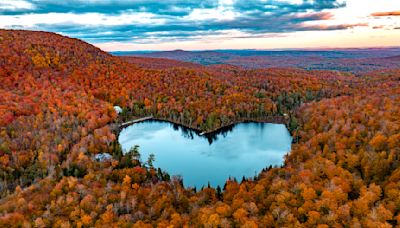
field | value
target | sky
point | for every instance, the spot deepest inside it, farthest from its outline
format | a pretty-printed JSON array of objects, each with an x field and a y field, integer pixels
[{"x": 127, "y": 25}]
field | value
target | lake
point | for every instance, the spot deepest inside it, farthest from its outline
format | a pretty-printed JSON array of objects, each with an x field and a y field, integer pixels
[{"x": 241, "y": 150}]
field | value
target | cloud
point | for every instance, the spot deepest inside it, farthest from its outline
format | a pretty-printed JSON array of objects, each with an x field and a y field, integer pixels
[
  {"x": 146, "y": 21},
  {"x": 331, "y": 27},
  {"x": 15, "y": 6},
  {"x": 378, "y": 27},
  {"x": 316, "y": 16},
  {"x": 170, "y": 7},
  {"x": 386, "y": 14},
  {"x": 278, "y": 7}
]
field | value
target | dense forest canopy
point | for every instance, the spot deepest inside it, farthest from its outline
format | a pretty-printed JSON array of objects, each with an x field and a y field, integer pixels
[{"x": 56, "y": 114}]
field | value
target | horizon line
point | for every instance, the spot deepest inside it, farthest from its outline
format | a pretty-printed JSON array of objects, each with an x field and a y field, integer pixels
[{"x": 268, "y": 49}]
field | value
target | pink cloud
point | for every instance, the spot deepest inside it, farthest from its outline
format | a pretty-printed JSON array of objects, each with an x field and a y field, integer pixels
[
  {"x": 315, "y": 16},
  {"x": 386, "y": 14},
  {"x": 332, "y": 27}
]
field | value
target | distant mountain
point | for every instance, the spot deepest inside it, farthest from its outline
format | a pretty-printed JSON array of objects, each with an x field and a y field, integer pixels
[
  {"x": 352, "y": 60},
  {"x": 395, "y": 58}
]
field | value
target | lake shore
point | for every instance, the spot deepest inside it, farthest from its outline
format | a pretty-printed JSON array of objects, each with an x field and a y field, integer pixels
[
  {"x": 240, "y": 151},
  {"x": 267, "y": 119}
]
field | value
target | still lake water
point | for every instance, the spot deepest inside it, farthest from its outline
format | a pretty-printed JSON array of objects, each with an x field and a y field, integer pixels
[{"x": 242, "y": 150}]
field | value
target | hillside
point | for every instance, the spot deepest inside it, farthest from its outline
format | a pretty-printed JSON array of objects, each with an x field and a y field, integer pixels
[
  {"x": 199, "y": 57},
  {"x": 57, "y": 113},
  {"x": 393, "y": 58},
  {"x": 159, "y": 63}
]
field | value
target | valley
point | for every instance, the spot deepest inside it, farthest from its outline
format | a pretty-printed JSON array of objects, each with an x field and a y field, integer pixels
[{"x": 57, "y": 114}]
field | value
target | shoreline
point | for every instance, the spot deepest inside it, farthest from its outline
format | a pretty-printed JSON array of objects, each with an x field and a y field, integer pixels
[{"x": 267, "y": 119}]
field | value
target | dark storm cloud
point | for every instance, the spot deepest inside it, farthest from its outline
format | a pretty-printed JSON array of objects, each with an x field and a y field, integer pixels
[{"x": 255, "y": 18}]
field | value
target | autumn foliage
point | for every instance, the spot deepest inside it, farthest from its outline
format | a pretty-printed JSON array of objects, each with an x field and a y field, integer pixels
[{"x": 56, "y": 114}]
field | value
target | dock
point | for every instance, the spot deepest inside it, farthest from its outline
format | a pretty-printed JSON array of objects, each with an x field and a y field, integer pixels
[{"x": 136, "y": 121}]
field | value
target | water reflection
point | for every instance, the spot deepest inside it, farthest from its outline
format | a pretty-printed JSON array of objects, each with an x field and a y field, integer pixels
[
  {"x": 190, "y": 133},
  {"x": 236, "y": 151}
]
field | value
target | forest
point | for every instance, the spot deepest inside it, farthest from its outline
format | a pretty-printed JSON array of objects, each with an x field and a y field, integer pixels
[{"x": 56, "y": 114}]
